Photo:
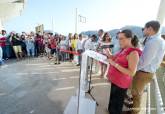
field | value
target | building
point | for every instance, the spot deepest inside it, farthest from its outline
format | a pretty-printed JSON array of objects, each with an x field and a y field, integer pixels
[{"x": 10, "y": 9}]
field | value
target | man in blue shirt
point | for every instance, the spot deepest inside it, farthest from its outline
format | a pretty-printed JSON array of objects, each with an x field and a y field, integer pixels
[{"x": 152, "y": 56}]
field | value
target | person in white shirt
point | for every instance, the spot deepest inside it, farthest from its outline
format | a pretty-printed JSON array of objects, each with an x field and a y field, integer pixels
[
  {"x": 79, "y": 48},
  {"x": 87, "y": 44},
  {"x": 63, "y": 46},
  {"x": 150, "y": 60},
  {"x": 100, "y": 34},
  {"x": 116, "y": 47},
  {"x": 91, "y": 43}
]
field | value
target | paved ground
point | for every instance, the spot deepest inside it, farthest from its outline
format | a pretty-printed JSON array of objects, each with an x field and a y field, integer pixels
[{"x": 36, "y": 86}]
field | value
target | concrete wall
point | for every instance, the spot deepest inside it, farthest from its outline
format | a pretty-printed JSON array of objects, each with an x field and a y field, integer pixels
[{"x": 1, "y": 26}]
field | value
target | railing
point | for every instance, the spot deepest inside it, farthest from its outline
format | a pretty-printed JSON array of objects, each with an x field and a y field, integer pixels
[
  {"x": 159, "y": 101},
  {"x": 148, "y": 99},
  {"x": 164, "y": 79},
  {"x": 158, "y": 98}
]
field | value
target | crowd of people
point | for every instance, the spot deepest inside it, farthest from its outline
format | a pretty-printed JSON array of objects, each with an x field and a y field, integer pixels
[
  {"x": 130, "y": 67},
  {"x": 20, "y": 46}
]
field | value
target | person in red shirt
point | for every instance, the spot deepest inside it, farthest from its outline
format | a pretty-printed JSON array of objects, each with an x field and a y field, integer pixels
[
  {"x": 3, "y": 42},
  {"x": 123, "y": 67},
  {"x": 39, "y": 46},
  {"x": 53, "y": 44}
]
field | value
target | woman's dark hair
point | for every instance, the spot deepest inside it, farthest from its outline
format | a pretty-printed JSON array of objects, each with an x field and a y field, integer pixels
[
  {"x": 104, "y": 37},
  {"x": 155, "y": 25},
  {"x": 135, "y": 41},
  {"x": 94, "y": 36},
  {"x": 37, "y": 34},
  {"x": 80, "y": 35},
  {"x": 3, "y": 31},
  {"x": 128, "y": 34},
  {"x": 22, "y": 37},
  {"x": 75, "y": 36},
  {"x": 17, "y": 35}
]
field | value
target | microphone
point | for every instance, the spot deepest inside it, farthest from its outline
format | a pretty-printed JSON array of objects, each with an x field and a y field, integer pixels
[{"x": 107, "y": 46}]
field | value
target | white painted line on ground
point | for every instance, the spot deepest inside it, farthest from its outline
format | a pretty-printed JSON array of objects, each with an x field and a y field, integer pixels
[
  {"x": 37, "y": 64},
  {"x": 66, "y": 66},
  {"x": 49, "y": 73},
  {"x": 70, "y": 70},
  {"x": 60, "y": 79},
  {"x": 2, "y": 94},
  {"x": 65, "y": 88},
  {"x": 46, "y": 66},
  {"x": 100, "y": 84},
  {"x": 4, "y": 66},
  {"x": 73, "y": 77},
  {"x": 44, "y": 69},
  {"x": 31, "y": 112},
  {"x": 26, "y": 73},
  {"x": 22, "y": 73}
]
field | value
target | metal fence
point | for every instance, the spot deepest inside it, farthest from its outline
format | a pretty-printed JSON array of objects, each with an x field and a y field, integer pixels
[{"x": 158, "y": 98}]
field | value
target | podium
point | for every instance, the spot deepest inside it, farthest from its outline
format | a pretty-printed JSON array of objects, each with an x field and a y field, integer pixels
[{"x": 79, "y": 104}]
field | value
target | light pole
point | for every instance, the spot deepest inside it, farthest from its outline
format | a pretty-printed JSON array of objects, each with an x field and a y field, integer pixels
[
  {"x": 52, "y": 24},
  {"x": 76, "y": 23}
]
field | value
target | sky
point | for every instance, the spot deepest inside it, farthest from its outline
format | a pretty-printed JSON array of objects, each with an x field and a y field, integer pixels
[{"x": 100, "y": 14}]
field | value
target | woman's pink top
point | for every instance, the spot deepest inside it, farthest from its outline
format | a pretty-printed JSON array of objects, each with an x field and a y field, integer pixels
[{"x": 115, "y": 76}]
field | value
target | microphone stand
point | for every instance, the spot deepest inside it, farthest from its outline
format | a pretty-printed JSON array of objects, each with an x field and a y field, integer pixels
[{"x": 90, "y": 81}]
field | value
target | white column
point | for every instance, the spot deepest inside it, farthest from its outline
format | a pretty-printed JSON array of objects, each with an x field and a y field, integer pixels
[
  {"x": 161, "y": 14},
  {"x": 1, "y": 27}
]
